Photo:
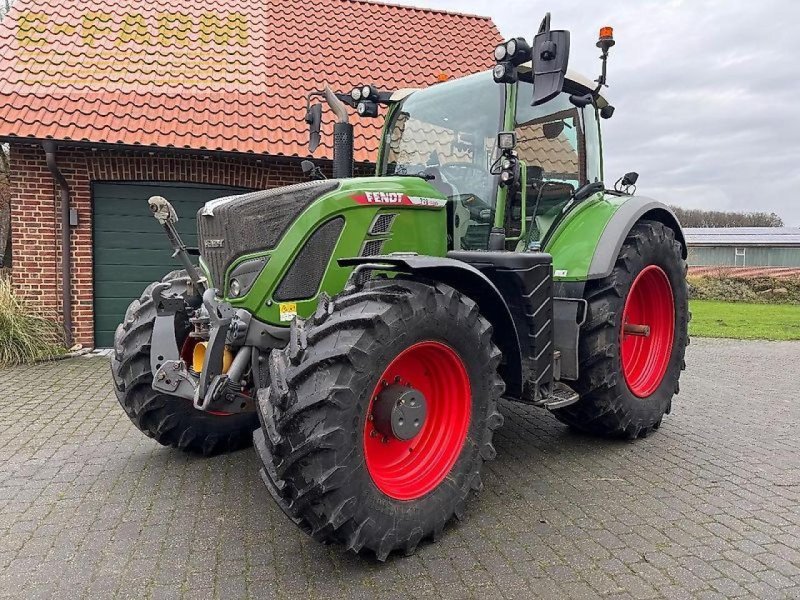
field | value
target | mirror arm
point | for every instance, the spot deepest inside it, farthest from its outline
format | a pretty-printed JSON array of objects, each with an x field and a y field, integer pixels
[
  {"x": 587, "y": 190},
  {"x": 545, "y": 25},
  {"x": 337, "y": 106}
]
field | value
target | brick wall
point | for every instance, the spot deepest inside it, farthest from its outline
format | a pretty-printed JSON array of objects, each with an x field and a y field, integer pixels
[{"x": 36, "y": 222}]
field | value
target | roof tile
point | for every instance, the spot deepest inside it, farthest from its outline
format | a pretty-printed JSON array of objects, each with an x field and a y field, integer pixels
[{"x": 232, "y": 79}]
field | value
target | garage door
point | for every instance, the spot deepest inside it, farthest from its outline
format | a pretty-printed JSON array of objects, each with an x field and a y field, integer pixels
[{"x": 130, "y": 248}]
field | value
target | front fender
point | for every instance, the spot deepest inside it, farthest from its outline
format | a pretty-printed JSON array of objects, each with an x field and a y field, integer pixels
[
  {"x": 474, "y": 284},
  {"x": 587, "y": 242}
]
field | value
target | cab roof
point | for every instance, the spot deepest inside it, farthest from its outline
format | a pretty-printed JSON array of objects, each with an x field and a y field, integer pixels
[{"x": 577, "y": 79}]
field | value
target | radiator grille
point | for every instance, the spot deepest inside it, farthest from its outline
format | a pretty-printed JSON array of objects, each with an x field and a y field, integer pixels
[
  {"x": 251, "y": 222},
  {"x": 303, "y": 278}
]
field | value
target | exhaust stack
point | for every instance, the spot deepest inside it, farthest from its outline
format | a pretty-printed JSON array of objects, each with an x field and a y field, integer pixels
[{"x": 342, "y": 137}]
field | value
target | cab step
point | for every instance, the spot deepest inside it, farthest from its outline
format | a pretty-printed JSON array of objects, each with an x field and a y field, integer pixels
[{"x": 562, "y": 396}]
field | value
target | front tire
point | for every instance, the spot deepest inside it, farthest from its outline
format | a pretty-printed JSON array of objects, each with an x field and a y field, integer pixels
[
  {"x": 169, "y": 420},
  {"x": 628, "y": 379},
  {"x": 326, "y": 462}
]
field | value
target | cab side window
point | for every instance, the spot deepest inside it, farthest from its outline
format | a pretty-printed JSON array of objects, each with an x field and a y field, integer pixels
[
  {"x": 551, "y": 141},
  {"x": 594, "y": 161}
]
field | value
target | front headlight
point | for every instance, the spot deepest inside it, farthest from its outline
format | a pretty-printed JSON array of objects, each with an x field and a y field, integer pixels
[
  {"x": 244, "y": 275},
  {"x": 235, "y": 288}
]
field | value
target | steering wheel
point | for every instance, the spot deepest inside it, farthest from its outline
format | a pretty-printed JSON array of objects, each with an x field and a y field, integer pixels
[
  {"x": 463, "y": 171},
  {"x": 467, "y": 172}
]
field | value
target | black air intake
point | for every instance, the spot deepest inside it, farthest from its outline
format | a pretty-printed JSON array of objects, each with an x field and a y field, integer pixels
[
  {"x": 236, "y": 225},
  {"x": 304, "y": 277}
]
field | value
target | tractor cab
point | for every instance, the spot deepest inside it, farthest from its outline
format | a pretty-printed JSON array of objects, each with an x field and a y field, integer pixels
[
  {"x": 512, "y": 150},
  {"x": 448, "y": 135}
]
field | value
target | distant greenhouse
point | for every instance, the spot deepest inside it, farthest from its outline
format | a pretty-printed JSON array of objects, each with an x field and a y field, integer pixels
[{"x": 743, "y": 246}]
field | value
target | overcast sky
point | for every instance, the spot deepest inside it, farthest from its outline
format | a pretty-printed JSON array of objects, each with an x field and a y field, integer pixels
[{"x": 707, "y": 92}]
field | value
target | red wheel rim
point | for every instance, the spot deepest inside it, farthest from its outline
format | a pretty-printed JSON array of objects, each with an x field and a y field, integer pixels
[
  {"x": 648, "y": 328},
  {"x": 406, "y": 470}
]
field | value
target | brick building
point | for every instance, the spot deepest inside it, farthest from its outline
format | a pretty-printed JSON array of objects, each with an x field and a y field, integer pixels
[{"x": 135, "y": 99}]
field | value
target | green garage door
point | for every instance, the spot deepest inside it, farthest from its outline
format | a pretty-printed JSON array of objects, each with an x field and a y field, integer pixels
[{"x": 130, "y": 248}]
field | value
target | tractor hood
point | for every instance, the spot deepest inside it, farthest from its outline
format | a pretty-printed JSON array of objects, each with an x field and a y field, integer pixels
[{"x": 233, "y": 226}]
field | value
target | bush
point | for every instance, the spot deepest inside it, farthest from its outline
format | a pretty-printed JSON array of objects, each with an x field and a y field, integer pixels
[
  {"x": 757, "y": 290},
  {"x": 25, "y": 335}
]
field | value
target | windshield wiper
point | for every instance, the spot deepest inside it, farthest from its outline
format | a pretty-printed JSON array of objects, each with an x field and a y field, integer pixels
[
  {"x": 403, "y": 172},
  {"x": 423, "y": 176}
]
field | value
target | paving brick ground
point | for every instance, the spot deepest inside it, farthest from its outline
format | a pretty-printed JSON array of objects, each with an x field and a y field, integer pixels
[{"x": 708, "y": 507}]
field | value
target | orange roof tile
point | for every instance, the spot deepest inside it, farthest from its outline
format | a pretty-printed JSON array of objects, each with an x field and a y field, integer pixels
[{"x": 228, "y": 76}]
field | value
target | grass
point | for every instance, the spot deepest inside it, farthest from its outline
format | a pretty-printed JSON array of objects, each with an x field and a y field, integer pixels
[
  {"x": 25, "y": 335},
  {"x": 744, "y": 321}
]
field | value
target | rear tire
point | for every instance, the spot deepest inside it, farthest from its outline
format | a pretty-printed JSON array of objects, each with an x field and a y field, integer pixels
[
  {"x": 170, "y": 420},
  {"x": 623, "y": 396},
  {"x": 315, "y": 437}
]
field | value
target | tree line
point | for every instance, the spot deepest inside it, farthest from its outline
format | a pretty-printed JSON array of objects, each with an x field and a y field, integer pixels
[{"x": 697, "y": 217}]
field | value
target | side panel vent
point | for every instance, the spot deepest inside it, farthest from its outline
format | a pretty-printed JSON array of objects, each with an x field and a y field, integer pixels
[
  {"x": 304, "y": 277},
  {"x": 382, "y": 224},
  {"x": 372, "y": 248}
]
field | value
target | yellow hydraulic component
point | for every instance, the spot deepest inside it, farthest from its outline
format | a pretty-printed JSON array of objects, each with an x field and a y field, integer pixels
[{"x": 199, "y": 355}]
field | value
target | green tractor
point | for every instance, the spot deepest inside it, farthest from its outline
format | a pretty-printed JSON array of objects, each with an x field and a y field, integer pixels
[{"x": 361, "y": 331}]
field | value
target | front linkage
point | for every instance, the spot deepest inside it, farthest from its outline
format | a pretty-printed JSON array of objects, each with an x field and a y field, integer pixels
[
  {"x": 220, "y": 328},
  {"x": 211, "y": 389}
]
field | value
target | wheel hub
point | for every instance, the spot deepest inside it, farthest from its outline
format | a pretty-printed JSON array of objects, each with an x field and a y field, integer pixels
[{"x": 399, "y": 412}]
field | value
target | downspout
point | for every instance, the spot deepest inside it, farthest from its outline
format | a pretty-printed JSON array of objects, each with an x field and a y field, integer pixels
[{"x": 66, "y": 263}]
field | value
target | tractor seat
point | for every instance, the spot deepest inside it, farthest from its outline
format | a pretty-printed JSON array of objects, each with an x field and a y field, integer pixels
[{"x": 554, "y": 197}]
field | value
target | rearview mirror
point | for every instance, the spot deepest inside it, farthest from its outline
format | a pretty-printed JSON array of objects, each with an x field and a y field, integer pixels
[
  {"x": 553, "y": 129},
  {"x": 550, "y": 60},
  {"x": 314, "y": 120},
  {"x": 630, "y": 178},
  {"x": 308, "y": 167},
  {"x": 311, "y": 170}
]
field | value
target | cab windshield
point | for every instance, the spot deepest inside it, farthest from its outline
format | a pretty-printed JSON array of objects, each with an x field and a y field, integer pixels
[{"x": 447, "y": 133}]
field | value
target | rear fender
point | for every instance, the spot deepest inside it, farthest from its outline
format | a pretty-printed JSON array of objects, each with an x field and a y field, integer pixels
[
  {"x": 636, "y": 209},
  {"x": 586, "y": 244}
]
